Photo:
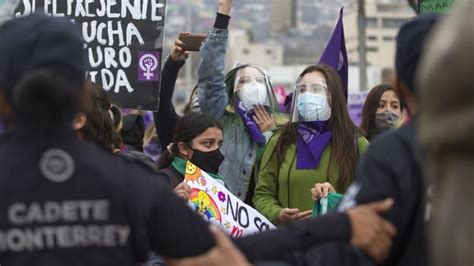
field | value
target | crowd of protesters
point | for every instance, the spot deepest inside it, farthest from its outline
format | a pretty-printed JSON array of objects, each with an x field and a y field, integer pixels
[{"x": 71, "y": 163}]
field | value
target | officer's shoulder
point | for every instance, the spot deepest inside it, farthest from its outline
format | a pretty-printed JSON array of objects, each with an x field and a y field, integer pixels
[
  {"x": 140, "y": 159},
  {"x": 136, "y": 175},
  {"x": 133, "y": 163},
  {"x": 392, "y": 142},
  {"x": 117, "y": 165}
]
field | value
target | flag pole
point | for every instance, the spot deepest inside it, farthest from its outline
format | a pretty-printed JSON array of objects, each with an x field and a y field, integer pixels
[{"x": 362, "y": 46}]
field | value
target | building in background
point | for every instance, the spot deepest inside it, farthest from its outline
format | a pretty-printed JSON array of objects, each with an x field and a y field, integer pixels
[
  {"x": 283, "y": 15},
  {"x": 383, "y": 19},
  {"x": 242, "y": 51}
]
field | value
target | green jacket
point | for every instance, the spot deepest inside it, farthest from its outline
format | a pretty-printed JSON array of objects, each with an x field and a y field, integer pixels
[{"x": 291, "y": 188}]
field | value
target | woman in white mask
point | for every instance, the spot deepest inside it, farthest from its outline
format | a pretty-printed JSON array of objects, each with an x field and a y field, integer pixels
[
  {"x": 243, "y": 102},
  {"x": 321, "y": 145},
  {"x": 248, "y": 118}
]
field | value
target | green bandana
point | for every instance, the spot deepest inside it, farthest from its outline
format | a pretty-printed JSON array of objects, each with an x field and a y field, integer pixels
[{"x": 327, "y": 204}]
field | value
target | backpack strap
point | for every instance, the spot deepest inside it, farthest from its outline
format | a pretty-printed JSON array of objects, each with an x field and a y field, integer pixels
[{"x": 173, "y": 176}]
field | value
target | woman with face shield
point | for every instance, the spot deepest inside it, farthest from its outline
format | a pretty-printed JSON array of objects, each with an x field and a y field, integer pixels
[
  {"x": 244, "y": 103},
  {"x": 319, "y": 146},
  {"x": 382, "y": 111},
  {"x": 254, "y": 100}
]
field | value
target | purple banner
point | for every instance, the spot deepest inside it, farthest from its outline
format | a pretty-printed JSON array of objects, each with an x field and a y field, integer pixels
[{"x": 354, "y": 106}]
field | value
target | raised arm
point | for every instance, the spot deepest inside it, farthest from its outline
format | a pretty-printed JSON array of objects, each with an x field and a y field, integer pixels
[
  {"x": 212, "y": 90},
  {"x": 166, "y": 117}
]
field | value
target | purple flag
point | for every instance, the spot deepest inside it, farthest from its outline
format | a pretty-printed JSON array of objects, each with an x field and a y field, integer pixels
[{"x": 335, "y": 53}]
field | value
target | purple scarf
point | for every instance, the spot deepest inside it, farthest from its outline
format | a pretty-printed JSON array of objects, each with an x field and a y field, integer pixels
[
  {"x": 247, "y": 117},
  {"x": 313, "y": 137}
]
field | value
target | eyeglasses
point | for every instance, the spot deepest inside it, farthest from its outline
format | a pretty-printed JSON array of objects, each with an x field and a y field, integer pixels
[{"x": 318, "y": 88}]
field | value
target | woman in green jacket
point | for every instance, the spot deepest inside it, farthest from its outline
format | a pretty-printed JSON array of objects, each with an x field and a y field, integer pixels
[{"x": 320, "y": 145}]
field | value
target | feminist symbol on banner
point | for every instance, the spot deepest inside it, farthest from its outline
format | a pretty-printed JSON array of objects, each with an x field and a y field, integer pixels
[{"x": 148, "y": 66}]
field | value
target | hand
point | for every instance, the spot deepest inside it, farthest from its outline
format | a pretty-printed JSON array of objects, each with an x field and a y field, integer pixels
[
  {"x": 224, "y": 7},
  {"x": 224, "y": 253},
  {"x": 304, "y": 215},
  {"x": 287, "y": 215},
  {"x": 178, "y": 53},
  {"x": 321, "y": 190},
  {"x": 370, "y": 232},
  {"x": 263, "y": 120},
  {"x": 182, "y": 190}
]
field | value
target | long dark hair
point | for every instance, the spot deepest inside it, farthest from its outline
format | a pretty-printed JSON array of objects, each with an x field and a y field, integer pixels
[
  {"x": 188, "y": 108},
  {"x": 370, "y": 108},
  {"x": 99, "y": 127},
  {"x": 188, "y": 127},
  {"x": 343, "y": 158}
]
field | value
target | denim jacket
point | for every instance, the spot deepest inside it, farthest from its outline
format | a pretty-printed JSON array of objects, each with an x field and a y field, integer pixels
[{"x": 239, "y": 149}]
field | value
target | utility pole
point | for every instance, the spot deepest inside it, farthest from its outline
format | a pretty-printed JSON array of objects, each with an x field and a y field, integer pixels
[{"x": 361, "y": 19}]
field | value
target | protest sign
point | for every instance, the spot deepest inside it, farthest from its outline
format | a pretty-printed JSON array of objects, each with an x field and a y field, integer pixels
[
  {"x": 123, "y": 39},
  {"x": 216, "y": 204},
  {"x": 355, "y": 105}
]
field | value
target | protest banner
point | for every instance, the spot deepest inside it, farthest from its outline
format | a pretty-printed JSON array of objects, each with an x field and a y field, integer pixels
[
  {"x": 123, "y": 39},
  {"x": 216, "y": 204},
  {"x": 354, "y": 106}
]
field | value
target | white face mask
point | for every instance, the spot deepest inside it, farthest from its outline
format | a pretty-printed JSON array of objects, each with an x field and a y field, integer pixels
[
  {"x": 253, "y": 94},
  {"x": 313, "y": 107}
]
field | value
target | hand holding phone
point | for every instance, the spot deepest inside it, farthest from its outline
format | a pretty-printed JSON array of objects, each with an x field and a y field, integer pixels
[
  {"x": 192, "y": 42},
  {"x": 178, "y": 53}
]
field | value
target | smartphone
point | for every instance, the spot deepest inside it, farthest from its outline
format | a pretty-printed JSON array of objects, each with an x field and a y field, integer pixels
[{"x": 192, "y": 41}]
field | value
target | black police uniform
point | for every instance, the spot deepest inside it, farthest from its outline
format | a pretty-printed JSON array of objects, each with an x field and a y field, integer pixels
[
  {"x": 391, "y": 167},
  {"x": 70, "y": 203}
]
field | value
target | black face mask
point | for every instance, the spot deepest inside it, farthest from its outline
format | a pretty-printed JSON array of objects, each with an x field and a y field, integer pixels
[
  {"x": 208, "y": 161},
  {"x": 385, "y": 121}
]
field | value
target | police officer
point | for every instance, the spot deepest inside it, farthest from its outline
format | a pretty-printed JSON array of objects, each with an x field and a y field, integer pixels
[
  {"x": 392, "y": 165},
  {"x": 65, "y": 202}
]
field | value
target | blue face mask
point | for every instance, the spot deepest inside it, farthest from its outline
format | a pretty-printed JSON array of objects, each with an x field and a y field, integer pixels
[{"x": 313, "y": 107}]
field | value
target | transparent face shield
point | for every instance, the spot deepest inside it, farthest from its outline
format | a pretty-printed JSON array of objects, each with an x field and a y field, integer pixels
[
  {"x": 252, "y": 88},
  {"x": 311, "y": 100}
]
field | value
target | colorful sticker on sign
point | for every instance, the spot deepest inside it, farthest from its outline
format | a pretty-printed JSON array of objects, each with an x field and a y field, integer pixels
[
  {"x": 193, "y": 173},
  {"x": 204, "y": 205},
  {"x": 148, "y": 66},
  {"x": 213, "y": 201}
]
